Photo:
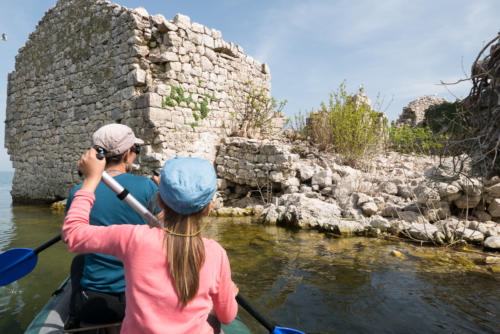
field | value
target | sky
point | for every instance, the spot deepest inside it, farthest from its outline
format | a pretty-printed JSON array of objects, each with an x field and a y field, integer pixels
[{"x": 398, "y": 50}]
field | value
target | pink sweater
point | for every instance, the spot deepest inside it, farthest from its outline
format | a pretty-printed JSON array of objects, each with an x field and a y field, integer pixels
[{"x": 152, "y": 304}]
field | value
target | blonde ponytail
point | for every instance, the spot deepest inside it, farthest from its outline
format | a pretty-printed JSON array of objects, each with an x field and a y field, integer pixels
[{"x": 185, "y": 251}]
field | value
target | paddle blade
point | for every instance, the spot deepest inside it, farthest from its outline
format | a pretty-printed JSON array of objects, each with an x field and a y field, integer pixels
[
  {"x": 16, "y": 263},
  {"x": 284, "y": 330}
]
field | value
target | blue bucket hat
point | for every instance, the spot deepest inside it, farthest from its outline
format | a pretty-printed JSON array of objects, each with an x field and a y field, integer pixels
[{"x": 187, "y": 184}]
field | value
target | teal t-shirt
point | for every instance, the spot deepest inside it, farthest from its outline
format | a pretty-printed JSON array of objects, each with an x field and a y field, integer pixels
[{"x": 101, "y": 272}]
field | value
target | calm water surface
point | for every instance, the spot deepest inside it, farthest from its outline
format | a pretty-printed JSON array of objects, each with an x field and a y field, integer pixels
[{"x": 302, "y": 280}]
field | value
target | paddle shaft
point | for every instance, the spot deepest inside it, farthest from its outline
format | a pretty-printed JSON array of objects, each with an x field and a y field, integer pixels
[
  {"x": 124, "y": 195},
  {"x": 254, "y": 313},
  {"x": 47, "y": 244}
]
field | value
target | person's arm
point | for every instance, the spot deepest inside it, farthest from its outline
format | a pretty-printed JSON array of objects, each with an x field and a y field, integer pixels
[
  {"x": 84, "y": 238},
  {"x": 224, "y": 300},
  {"x": 77, "y": 233}
]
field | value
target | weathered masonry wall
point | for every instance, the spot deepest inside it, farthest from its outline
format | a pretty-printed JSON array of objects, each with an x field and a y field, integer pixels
[
  {"x": 256, "y": 163},
  {"x": 178, "y": 84}
]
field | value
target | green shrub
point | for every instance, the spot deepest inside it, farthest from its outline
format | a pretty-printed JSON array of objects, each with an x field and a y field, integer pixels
[
  {"x": 298, "y": 123},
  {"x": 446, "y": 118},
  {"x": 177, "y": 95},
  {"x": 351, "y": 128},
  {"x": 260, "y": 110},
  {"x": 421, "y": 140}
]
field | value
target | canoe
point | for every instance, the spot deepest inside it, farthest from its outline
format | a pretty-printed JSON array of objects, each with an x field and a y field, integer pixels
[{"x": 53, "y": 315}]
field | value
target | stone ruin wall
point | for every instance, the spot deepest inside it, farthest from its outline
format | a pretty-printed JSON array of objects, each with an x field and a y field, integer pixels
[
  {"x": 255, "y": 163},
  {"x": 89, "y": 63},
  {"x": 413, "y": 114}
]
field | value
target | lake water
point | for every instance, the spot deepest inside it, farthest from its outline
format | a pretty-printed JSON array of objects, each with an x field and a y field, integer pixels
[{"x": 303, "y": 280}]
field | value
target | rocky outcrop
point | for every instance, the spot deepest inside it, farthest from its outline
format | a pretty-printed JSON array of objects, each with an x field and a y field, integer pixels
[
  {"x": 400, "y": 194},
  {"x": 177, "y": 83}
]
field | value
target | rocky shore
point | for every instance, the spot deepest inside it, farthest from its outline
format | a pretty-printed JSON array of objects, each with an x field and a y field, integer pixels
[{"x": 413, "y": 197}]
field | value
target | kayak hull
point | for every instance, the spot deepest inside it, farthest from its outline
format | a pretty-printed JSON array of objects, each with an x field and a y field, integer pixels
[{"x": 53, "y": 315}]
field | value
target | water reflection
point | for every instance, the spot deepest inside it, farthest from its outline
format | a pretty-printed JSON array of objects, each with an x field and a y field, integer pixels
[
  {"x": 30, "y": 226},
  {"x": 300, "y": 279},
  {"x": 355, "y": 285}
]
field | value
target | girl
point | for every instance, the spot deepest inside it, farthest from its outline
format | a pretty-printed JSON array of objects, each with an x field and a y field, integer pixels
[{"x": 174, "y": 277}]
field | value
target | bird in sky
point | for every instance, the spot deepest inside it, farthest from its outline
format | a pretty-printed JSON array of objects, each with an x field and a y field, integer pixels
[{"x": 4, "y": 37}]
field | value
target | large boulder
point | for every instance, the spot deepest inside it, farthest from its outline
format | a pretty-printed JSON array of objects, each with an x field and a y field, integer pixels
[
  {"x": 426, "y": 196},
  {"x": 369, "y": 208},
  {"x": 424, "y": 231},
  {"x": 493, "y": 191},
  {"x": 380, "y": 223},
  {"x": 322, "y": 178},
  {"x": 469, "y": 235},
  {"x": 492, "y": 242},
  {"x": 388, "y": 188},
  {"x": 448, "y": 191},
  {"x": 494, "y": 208},
  {"x": 467, "y": 201},
  {"x": 298, "y": 210}
]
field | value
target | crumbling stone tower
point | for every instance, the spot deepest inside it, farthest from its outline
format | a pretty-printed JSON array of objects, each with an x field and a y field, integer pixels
[{"x": 178, "y": 84}]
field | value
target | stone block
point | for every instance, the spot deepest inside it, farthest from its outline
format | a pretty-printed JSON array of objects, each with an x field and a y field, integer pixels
[
  {"x": 206, "y": 64},
  {"x": 149, "y": 100},
  {"x": 141, "y": 11},
  {"x": 160, "y": 22},
  {"x": 467, "y": 201},
  {"x": 137, "y": 77},
  {"x": 388, "y": 188},
  {"x": 494, "y": 208},
  {"x": 208, "y": 41},
  {"x": 158, "y": 114},
  {"x": 322, "y": 178},
  {"x": 493, "y": 191},
  {"x": 369, "y": 208},
  {"x": 426, "y": 195},
  {"x": 182, "y": 21}
]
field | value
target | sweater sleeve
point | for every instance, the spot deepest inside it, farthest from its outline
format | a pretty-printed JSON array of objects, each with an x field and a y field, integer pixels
[
  {"x": 224, "y": 301},
  {"x": 84, "y": 238}
]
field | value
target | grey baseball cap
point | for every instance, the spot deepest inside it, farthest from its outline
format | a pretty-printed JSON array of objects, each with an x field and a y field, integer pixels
[{"x": 115, "y": 138}]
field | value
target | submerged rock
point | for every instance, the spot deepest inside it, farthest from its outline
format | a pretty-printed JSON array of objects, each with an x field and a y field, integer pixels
[
  {"x": 58, "y": 206},
  {"x": 234, "y": 212},
  {"x": 398, "y": 254},
  {"x": 492, "y": 259},
  {"x": 495, "y": 269}
]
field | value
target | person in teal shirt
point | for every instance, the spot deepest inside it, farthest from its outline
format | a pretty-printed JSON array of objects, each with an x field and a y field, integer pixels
[{"x": 98, "y": 295}]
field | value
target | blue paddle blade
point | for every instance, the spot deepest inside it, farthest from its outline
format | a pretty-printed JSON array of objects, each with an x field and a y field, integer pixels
[
  {"x": 16, "y": 263},
  {"x": 284, "y": 330}
]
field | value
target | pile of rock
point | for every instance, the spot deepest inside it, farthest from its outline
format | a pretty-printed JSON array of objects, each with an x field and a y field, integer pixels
[{"x": 401, "y": 194}]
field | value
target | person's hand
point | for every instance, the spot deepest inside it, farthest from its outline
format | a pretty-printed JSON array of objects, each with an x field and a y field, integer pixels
[
  {"x": 156, "y": 178},
  {"x": 92, "y": 168},
  {"x": 235, "y": 289}
]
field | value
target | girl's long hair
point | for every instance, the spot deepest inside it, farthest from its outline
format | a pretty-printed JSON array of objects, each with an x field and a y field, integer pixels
[{"x": 185, "y": 254}]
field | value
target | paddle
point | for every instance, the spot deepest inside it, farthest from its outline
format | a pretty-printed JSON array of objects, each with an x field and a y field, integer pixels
[
  {"x": 19, "y": 262},
  {"x": 273, "y": 329}
]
